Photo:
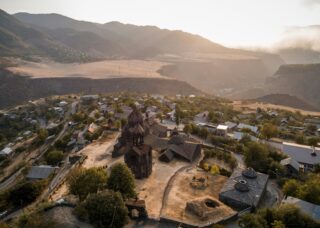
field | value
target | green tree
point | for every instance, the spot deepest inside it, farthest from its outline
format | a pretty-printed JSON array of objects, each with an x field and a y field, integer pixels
[
  {"x": 187, "y": 129},
  {"x": 36, "y": 221},
  {"x": 291, "y": 188},
  {"x": 82, "y": 182},
  {"x": 42, "y": 134},
  {"x": 123, "y": 122},
  {"x": 106, "y": 209},
  {"x": 122, "y": 180},
  {"x": 313, "y": 141},
  {"x": 252, "y": 221},
  {"x": 278, "y": 224},
  {"x": 269, "y": 130},
  {"x": 204, "y": 133},
  {"x": 4, "y": 225},
  {"x": 256, "y": 156},
  {"x": 312, "y": 128},
  {"x": 177, "y": 114},
  {"x": 26, "y": 192},
  {"x": 300, "y": 139},
  {"x": 310, "y": 191},
  {"x": 54, "y": 157}
]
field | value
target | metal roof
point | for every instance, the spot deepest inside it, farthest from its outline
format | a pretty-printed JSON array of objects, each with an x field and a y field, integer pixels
[
  {"x": 6, "y": 151},
  {"x": 308, "y": 208},
  {"x": 40, "y": 172},
  {"x": 252, "y": 128},
  {"x": 222, "y": 127},
  {"x": 301, "y": 153},
  {"x": 292, "y": 162}
]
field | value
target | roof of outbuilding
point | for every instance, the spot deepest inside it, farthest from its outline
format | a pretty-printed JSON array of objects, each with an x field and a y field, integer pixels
[
  {"x": 239, "y": 135},
  {"x": 40, "y": 172},
  {"x": 176, "y": 139},
  {"x": 252, "y": 128},
  {"x": 255, "y": 186},
  {"x": 6, "y": 151},
  {"x": 292, "y": 162},
  {"x": 186, "y": 150},
  {"x": 222, "y": 127}
]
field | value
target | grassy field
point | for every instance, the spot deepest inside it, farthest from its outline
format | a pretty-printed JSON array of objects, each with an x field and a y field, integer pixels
[
  {"x": 252, "y": 106},
  {"x": 94, "y": 70}
]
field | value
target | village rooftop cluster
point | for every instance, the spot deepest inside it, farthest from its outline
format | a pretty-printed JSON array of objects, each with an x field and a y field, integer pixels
[{"x": 195, "y": 161}]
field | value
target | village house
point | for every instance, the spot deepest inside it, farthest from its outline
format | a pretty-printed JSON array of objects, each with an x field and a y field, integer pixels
[
  {"x": 152, "y": 109},
  {"x": 239, "y": 135},
  {"x": 171, "y": 115},
  {"x": 62, "y": 104},
  {"x": 222, "y": 130},
  {"x": 40, "y": 172},
  {"x": 6, "y": 152},
  {"x": 74, "y": 107},
  {"x": 158, "y": 130},
  {"x": 273, "y": 113},
  {"x": 242, "y": 126},
  {"x": 307, "y": 156},
  {"x": 292, "y": 166},
  {"x": 93, "y": 128},
  {"x": 178, "y": 147},
  {"x": 89, "y": 98},
  {"x": 314, "y": 121},
  {"x": 231, "y": 125},
  {"x": 210, "y": 127},
  {"x": 202, "y": 117}
]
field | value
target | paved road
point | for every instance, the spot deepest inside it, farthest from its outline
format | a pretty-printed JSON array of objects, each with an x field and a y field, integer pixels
[
  {"x": 8, "y": 182},
  {"x": 42, "y": 150}
]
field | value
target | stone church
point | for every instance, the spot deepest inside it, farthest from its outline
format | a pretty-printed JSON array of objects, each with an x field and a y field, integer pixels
[{"x": 137, "y": 155}]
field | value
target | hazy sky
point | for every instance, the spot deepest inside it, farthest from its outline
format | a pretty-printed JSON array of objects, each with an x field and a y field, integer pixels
[{"x": 229, "y": 22}]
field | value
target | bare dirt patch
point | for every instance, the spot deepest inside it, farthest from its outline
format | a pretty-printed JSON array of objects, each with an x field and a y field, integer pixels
[
  {"x": 252, "y": 107},
  {"x": 181, "y": 192},
  {"x": 99, "y": 155},
  {"x": 94, "y": 70},
  {"x": 65, "y": 218}
]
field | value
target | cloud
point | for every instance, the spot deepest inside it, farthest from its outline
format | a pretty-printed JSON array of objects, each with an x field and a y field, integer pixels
[
  {"x": 311, "y": 3},
  {"x": 300, "y": 37}
]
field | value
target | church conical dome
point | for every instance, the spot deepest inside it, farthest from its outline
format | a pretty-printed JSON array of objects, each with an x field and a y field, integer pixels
[{"x": 135, "y": 118}]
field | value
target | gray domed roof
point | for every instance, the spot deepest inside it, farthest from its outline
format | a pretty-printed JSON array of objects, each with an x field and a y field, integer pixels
[
  {"x": 249, "y": 173},
  {"x": 242, "y": 186}
]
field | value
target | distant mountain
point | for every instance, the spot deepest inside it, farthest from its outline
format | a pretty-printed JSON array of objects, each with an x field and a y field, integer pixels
[
  {"x": 300, "y": 80},
  {"x": 138, "y": 41},
  {"x": 87, "y": 42},
  {"x": 286, "y": 100},
  {"x": 19, "y": 40},
  {"x": 199, "y": 61}
]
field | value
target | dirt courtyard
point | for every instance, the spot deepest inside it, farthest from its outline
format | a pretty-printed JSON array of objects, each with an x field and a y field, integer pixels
[
  {"x": 181, "y": 192},
  {"x": 152, "y": 189}
]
